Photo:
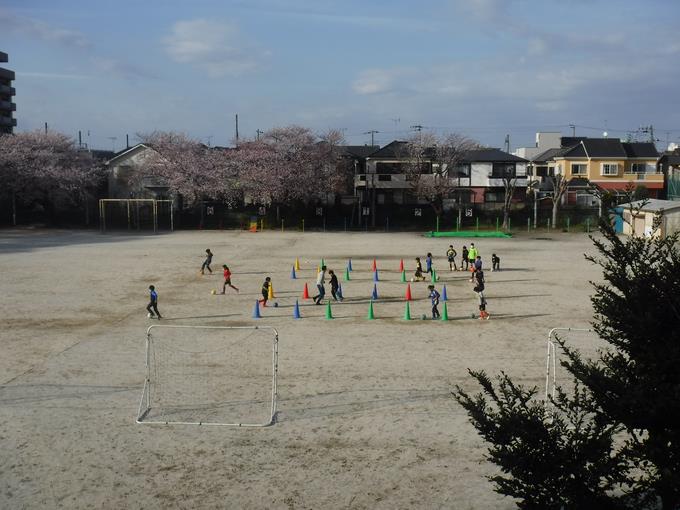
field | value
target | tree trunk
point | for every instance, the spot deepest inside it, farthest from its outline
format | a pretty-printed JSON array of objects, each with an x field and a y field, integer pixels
[
  {"x": 506, "y": 217},
  {"x": 556, "y": 207}
]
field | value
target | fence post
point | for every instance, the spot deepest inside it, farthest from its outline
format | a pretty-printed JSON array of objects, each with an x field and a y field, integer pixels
[
  {"x": 496, "y": 223},
  {"x": 528, "y": 224},
  {"x": 509, "y": 223},
  {"x": 548, "y": 223},
  {"x": 588, "y": 225},
  {"x": 387, "y": 224},
  {"x": 282, "y": 221},
  {"x": 303, "y": 225},
  {"x": 477, "y": 223},
  {"x": 437, "y": 223},
  {"x": 568, "y": 223}
]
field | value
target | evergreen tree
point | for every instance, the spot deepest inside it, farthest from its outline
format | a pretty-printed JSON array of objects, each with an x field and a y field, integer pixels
[{"x": 614, "y": 441}]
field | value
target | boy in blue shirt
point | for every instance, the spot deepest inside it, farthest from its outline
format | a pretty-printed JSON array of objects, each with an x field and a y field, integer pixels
[
  {"x": 153, "y": 303},
  {"x": 434, "y": 296}
]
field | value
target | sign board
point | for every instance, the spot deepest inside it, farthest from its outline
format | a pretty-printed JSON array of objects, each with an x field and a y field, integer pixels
[
  {"x": 210, "y": 210},
  {"x": 262, "y": 211},
  {"x": 365, "y": 211},
  {"x": 468, "y": 213},
  {"x": 417, "y": 212},
  {"x": 319, "y": 211}
]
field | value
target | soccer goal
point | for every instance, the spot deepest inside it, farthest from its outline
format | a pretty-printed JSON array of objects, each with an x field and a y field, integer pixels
[
  {"x": 576, "y": 337},
  {"x": 136, "y": 214},
  {"x": 210, "y": 375}
]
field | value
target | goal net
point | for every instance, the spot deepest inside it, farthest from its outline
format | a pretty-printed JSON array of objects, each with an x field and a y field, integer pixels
[
  {"x": 585, "y": 340},
  {"x": 210, "y": 375},
  {"x": 135, "y": 214}
]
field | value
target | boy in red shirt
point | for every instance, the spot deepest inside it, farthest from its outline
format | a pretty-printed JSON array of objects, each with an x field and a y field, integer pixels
[{"x": 227, "y": 279}]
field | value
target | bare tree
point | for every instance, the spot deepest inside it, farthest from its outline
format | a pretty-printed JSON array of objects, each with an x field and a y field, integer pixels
[
  {"x": 560, "y": 185},
  {"x": 431, "y": 166}
]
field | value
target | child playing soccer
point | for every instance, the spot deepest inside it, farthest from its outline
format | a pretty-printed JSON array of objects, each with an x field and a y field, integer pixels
[
  {"x": 153, "y": 303},
  {"x": 227, "y": 279},
  {"x": 472, "y": 253},
  {"x": 479, "y": 289},
  {"x": 265, "y": 291},
  {"x": 434, "y": 296},
  {"x": 320, "y": 280},
  {"x": 419, "y": 271},
  {"x": 464, "y": 259},
  {"x": 335, "y": 286},
  {"x": 495, "y": 262},
  {"x": 428, "y": 263},
  {"x": 207, "y": 261},
  {"x": 451, "y": 256}
]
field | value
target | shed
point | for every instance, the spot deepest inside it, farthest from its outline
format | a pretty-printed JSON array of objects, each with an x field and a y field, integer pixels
[{"x": 639, "y": 216}]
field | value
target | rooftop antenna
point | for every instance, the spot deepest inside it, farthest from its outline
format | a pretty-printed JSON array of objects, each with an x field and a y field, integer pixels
[
  {"x": 573, "y": 130},
  {"x": 507, "y": 143},
  {"x": 396, "y": 121},
  {"x": 372, "y": 132}
]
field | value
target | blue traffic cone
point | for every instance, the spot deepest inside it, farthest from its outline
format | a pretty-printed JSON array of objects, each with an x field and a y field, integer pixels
[
  {"x": 256, "y": 310},
  {"x": 444, "y": 296},
  {"x": 349, "y": 264},
  {"x": 374, "y": 296},
  {"x": 293, "y": 276},
  {"x": 375, "y": 276},
  {"x": 296, "y": 310}
]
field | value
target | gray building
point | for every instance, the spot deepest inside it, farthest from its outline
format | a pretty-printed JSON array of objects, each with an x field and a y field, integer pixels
[{"x": 7, "y": 106}]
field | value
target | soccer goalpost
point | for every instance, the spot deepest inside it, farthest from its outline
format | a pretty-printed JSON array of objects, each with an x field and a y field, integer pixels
[
  {"x": 551, "y": 361},
  {"x": 210, "y": 375},
  {"x": 136, "y": 214}
]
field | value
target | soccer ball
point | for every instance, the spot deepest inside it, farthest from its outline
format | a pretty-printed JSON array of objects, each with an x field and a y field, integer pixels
[
  {"x": 411, "y": 279},
  {"x": 213, "y": 292},
  {"x": 149, "y": 315},
  {"x": 276, "y": 305},
  {"x": 423, "y": 317}
]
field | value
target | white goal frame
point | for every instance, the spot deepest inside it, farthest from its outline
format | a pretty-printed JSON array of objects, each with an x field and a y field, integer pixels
[
  {"x": 154, "y": 205},
  {"x": 145, "y": 402},
  {"x": 550, "y": 389}
]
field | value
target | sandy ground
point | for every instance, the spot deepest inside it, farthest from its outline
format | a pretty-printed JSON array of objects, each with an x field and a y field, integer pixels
[{"x": 365, "y": 414}]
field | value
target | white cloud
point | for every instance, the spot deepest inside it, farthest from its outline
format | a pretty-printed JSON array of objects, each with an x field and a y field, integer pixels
[
  {"x": 40, "y": 30},
  {"x": 377, "y": 81},
  {"x": 215, "y": 47}
]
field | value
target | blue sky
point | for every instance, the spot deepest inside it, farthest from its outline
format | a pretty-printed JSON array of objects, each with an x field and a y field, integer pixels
[{"x": 484, "y": 68}]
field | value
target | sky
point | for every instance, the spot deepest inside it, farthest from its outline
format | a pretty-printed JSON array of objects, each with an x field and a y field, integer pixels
[{"x": 482, "y": 68}]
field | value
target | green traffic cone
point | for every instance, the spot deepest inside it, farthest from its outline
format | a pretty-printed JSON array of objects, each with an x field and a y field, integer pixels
[
  {"x": 322, "y": 263},
  {"x": 329, "y": 313},
  {"x": 347, "y": 274},
  {"x": 434, "y": 276},
  {"x": 407, "y": 312},
  {"x": 370, "y": 316},
  {"x": 445, "y": 313},
  {"x": 403, "y": 276}
]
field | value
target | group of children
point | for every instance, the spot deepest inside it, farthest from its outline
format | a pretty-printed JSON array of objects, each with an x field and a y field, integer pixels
[{"x": 471, "y": 258}]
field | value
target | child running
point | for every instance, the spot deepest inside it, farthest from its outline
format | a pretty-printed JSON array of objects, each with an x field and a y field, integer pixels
[
  {"x": 153, "y": 303},
  {"x": 335, "y": 286},
  {"x": 464, "y": 259},
  {"x": 495, "y": 262},
  {"x": 479, "y": 289},
  {"x": 419, "y": 271},
  {"x": 207, "y": 261},
  {"x": 451, "y": 256},
  {"x": 265, "y": 291},
  {"x": 434, "y": 296},
  {"x": 320, "y": 280},
  {"x": 227, "y": 279},
  {"x": 428, "y": 263}
]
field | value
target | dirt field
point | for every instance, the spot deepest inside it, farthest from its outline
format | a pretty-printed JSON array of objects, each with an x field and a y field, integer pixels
[{"x": 365, "y": 414}]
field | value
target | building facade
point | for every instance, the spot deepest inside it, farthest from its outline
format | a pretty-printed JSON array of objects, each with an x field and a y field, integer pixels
[{"x": 7, "y": 92}]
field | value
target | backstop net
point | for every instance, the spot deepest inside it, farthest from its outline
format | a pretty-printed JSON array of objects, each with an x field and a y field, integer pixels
[
  {"x": 135, "y": 214},
  {"x": 210, "y": 375}
]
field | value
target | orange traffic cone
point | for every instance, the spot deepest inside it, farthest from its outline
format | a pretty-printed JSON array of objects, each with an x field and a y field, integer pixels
[
  {"x": 408, "y": 292},
  {"x": 305, "y": 293},
  {"x": 401, "y": 265},
  {"x": 375, "y": 266}
]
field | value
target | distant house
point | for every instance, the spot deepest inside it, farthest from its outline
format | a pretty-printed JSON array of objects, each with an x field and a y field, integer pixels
[
  {"x": 639, "y": 217},
  {"x": 121, "y": 170},
  {"x": 669, "y": 166},
  {"x": 478, "y": 177}
]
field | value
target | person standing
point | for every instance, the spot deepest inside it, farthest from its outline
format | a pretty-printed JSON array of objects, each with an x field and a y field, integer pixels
[
  {"x": 451, "y": 257},
  {"x": 477, "y": 266},
  {"x": 207, "y": 261},
  {"x": 434, "y": 297},
  {"x": 320, "y": 281},
  {"x": 153, "y": 303},
  {"x": 464, "y": 259},
  {"x": 479, "y": 289},
  {"x": 335, "y": 286},
  {"x": 495, "y": 262},
  {"x": 265, "y": 290},
  {"x": 227, "y": 279},
  {"x": 428, "y": 263},
  {"x": 472, "y": 254}
]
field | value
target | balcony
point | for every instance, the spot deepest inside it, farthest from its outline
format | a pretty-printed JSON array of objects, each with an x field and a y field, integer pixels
[
  {"x": 7, "y": 106},
  {"x": 6, "y": 90},
  {"x": 7, "y": 121},
  {"x": 6, "y": 74}
]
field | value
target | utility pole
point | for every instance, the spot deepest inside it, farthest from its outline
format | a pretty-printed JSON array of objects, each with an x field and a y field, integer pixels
[
  {"x": 507, "y": 144},
  {"x": 237, "y": 128},
  {"x": 573, "y": 130},
  {"x": 127, "y": 141},
  {"x": 45, "y": 127},
  {"x": 372, "y": 132},
  {"x": 259, "y": 132}
]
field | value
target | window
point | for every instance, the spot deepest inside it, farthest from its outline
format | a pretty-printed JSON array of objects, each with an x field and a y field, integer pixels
[
  {"x": 493, "y": 196},
  {"x": 638, "y": 168},
  {"x": 384, "y": 177},
  {"x": 500, "y": 170},
  {"x": 579, "y": 169},
  {"x": 610, "y": 169},
  {"x": 362, "y": 177},
  {"x": 461, "y": 170}
]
